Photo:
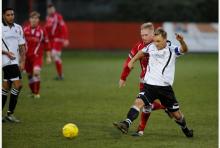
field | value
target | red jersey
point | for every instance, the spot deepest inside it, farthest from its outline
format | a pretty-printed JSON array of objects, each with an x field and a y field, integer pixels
[
  {"x": 56, "y": 27},
  {"x": 143, "y": 61},
  {"x": 36, "y": 41}
]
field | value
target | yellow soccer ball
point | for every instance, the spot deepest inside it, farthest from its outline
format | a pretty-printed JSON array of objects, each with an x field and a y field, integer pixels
[{"x": 70, "y": 130}]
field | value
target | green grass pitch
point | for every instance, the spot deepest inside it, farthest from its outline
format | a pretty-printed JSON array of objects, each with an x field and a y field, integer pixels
[{"x": 89, "y": 97}]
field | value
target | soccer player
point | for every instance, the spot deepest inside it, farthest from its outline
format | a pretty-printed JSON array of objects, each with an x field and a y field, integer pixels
[
  {"x": 37, "y": 40},
  {"x": 147, "y": 32},
  {"x": 13, "y": 60},
  {"x": 158, "y": 80},
  {"x": 58, "y": 36}
]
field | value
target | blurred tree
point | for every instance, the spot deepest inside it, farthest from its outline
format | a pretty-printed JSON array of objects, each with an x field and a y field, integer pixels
[{"x": 124, "y": 10}]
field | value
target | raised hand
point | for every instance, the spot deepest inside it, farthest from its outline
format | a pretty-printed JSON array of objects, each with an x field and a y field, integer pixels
[{"x": 179, "y": 37}]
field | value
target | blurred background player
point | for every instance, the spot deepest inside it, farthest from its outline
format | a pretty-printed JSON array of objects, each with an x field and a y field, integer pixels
[
  {"x": 147, "y": 32},
  {"x": 13, "y": 58},
  {"x": 37, "y": 40},
  {"x": 58, "y": 36}
]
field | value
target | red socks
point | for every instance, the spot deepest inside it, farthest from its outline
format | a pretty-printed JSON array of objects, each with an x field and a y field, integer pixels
[
  {"x": 36, "y": 88},
  {"x": 59, "y": 68},
  {"x": 146, "y": 114},
  {"x": 34, "y": 85},
  {"x": 143, "y": 122}
]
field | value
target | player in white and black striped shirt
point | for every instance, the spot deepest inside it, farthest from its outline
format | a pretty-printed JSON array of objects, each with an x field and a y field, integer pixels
[
  {"x": 158, "y": 80},
  {"x": 13, "y": 58}
]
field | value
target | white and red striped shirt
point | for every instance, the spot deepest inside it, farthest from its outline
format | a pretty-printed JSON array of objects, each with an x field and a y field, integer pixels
[
  {"x": 36, "y": 40},
  {"x": 56, "y": 28}
]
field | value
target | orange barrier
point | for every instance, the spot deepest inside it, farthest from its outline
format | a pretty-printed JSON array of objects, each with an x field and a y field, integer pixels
[{"x": 103, "y": 35}]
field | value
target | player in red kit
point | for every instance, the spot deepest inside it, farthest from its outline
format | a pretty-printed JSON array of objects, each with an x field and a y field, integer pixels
[
  {"x": 147, "y": 30},
  {"x": 37, "y": 40},
  {"x": 58, "y": 36}
]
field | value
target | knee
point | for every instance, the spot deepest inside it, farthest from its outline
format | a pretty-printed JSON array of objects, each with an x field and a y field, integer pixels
[
  {"x": 36, "y": 73},
  {"x": 6, "y": 87},
  {"x": 177, "y": 115},
  {"x": 18, "y": 86},
  {"x": 139, "y": 103},
  {"x": 53, "y": 57},
  {"x": 147, "y": 109}
]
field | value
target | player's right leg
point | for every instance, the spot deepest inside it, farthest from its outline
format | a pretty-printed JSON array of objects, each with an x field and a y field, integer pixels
[
  {"x": 14, "y": 76},
  {"x": 5, "y": 89},
  {"x": 145, "y": 114},
  {"x": 143, "y": 98},
  {"x": 5, "y": 84},
  {"x": 56, "y": 56},
  {"x": 132, "y": 114}
]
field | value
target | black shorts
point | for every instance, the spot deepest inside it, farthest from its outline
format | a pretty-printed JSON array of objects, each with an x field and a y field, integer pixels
[
  {"x": 11, "y": 73},
  {"x": 164, "y": 93}
]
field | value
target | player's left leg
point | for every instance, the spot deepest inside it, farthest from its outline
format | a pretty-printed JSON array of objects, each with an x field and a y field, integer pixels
[
  {"x": 56, "y": 56},
  {"x": 29, "y": 71},
  {"x": 145, "y": 97},
  {"x": 180, "y": 120},
  {"x": 168, "y": 99},
  {"x": 36, "y": 82}
]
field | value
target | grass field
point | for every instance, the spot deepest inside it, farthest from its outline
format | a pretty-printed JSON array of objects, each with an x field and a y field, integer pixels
[{"x": 89, "y": 96}]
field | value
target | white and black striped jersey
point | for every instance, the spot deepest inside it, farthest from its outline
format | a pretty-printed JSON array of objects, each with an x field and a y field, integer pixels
[
  {"x": 161, "y": 65},
  {"x": 13, "y": 37}
]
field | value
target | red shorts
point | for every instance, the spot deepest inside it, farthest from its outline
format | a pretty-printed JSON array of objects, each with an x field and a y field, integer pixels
[
  {"x": 57, "y": 45},
  {"x": 32, "y": 63},
  {"x": 141, "y": 86}
]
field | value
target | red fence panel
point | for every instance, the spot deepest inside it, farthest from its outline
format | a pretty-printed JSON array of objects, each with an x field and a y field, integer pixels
[{"x": 103, "y": 35}]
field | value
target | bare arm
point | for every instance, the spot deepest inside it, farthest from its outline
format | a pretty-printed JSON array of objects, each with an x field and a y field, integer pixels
[
  {"x": 22, "y": 51},
  {"x": 138, "y": 56},
  {"x": 183, "y": 45}
]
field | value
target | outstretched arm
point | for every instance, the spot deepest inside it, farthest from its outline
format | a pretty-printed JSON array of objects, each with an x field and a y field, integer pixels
[
  {"x": 126, "y": 70},
  {"x": 183, "y": 45},
  {"x": 138, "y": 56},
  {"x": 125, "y": 73}
]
